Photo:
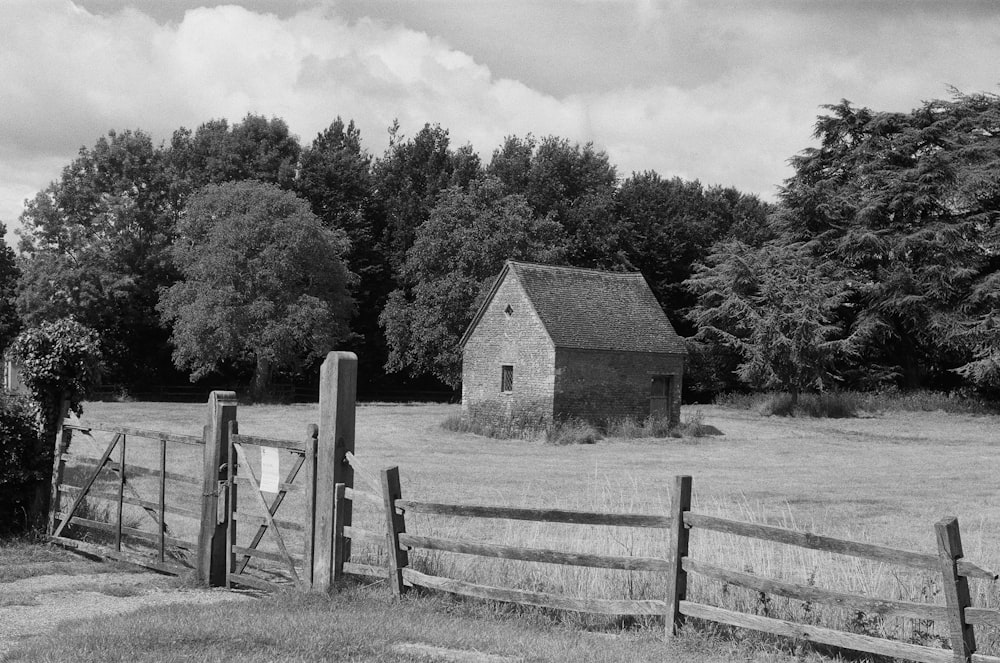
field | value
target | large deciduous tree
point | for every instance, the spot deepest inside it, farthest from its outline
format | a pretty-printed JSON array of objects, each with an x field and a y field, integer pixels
[
  {"x": 456, "y": 255},
  {"x": 335, "y": 177},
  {"x": 10, "y": 322},
  {"x": 573, "y": 183},
  {"x": 257, "y": 148},
  {"x": 409, "y": 178},
  {"x": 95, "y": 246},
  {"x": 264, "y": 284}
]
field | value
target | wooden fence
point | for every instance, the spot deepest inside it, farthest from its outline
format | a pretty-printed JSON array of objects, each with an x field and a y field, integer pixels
[{"x": 958, "y": 612}]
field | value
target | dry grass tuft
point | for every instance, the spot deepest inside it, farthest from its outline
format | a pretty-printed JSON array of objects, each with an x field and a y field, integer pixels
[
  {"x": 691, "y": 426},
  {"x": 572, "y": 431}
]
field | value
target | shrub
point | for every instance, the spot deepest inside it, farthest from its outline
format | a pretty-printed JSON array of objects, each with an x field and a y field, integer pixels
[
  {"x": 58, "y": 360},
  {"x": 20, "y": 467},
  {"x": 831, "y": 404},
  {"x": 778, "y": 404},
  {"x": 572, "y": 431},
  {"x": 849, "y": 403},
  {"x": 738, "y": 400},
  {"x": 925, "y": 400}
]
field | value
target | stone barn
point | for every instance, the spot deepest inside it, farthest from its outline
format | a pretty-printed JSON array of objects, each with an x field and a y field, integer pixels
[{"x": 572, "y": 342}]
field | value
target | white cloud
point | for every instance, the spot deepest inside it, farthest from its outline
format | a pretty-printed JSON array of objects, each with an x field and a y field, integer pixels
[{"x": 711, "y": 90}]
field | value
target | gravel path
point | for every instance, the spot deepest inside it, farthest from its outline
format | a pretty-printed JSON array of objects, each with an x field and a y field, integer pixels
[{"x": 35, "y": 606}]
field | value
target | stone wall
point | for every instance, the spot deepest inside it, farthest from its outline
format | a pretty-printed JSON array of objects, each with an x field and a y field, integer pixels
[
  {"x": 603, "y": 385},
  {"x": 517, "y": 340}
]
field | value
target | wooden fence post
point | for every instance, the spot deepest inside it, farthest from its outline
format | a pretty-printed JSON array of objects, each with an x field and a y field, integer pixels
[
  {"x": 212, "y": 553},
  {"x": 339, "y": 504},
  {"x": 395, "y": 525},
  {"x": 956, "y": 589},
  {"x": 229, "y": 504},
  {"x": 337, "y": 392},
  {"x": 677, "y": 576},
  {"x": 309, "y": 542},
  {"x": 63, "y": 437}
]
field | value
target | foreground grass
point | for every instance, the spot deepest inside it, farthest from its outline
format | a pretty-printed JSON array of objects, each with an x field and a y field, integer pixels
[
  {"x": 28, "y": 557},
  {"x": 362, "y": 624}
]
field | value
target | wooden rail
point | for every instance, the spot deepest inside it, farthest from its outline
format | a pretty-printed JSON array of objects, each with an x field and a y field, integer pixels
[
  {"x": 535, "y": 554},
  {"x": 124, "y": 499},
  {"x": 538, "y": 515},
  {"x": 87, "y": 426},
  {"x": 880, "y": 607},
  {"x": 272, "y": 443},
  {"x": 829, "y": 544},
  {"x": 539, "y": 599},
  {"x": 817, "y": 634},
  {"x": 134, "y": 470},
  {"x": 675, "y": 607}
]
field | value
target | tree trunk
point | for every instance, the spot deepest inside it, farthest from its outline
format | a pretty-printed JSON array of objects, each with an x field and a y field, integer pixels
[
  {"x": 53, "y": 412},
  {"x": 260, "y": 386}
]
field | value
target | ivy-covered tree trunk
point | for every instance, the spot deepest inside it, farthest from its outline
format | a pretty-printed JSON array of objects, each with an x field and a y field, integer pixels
[
  {"x": 54, "y": 408},
  {"x": 60, "y": 362}
]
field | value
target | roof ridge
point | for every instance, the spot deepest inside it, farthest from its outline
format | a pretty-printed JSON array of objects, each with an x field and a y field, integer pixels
[{"x": 570, "y": 268}]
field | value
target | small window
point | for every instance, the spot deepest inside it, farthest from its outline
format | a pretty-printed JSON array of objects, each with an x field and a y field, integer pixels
[
  {"x": 506, "y": 378},
  {"x": 509, "y": 311}
]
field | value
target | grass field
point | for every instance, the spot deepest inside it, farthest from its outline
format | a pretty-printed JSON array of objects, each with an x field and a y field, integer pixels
[{"x": 884, "y": 479}]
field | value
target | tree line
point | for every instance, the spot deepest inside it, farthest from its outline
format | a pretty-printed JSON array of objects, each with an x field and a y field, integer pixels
[{"x": 235, "y": 252}]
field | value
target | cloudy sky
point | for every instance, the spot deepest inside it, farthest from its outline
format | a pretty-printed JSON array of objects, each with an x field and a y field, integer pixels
[{"x": 720, "y": 91}]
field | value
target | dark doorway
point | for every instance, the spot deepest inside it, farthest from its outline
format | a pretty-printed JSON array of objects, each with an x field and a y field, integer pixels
[{"x": 659, "y": 396}]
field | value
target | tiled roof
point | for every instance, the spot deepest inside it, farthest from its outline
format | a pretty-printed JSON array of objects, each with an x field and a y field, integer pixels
[{"x": 595, "y": 310}]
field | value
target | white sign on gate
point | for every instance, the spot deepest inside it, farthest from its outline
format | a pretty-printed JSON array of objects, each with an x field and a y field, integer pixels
[{"x": 269, "y": 470}]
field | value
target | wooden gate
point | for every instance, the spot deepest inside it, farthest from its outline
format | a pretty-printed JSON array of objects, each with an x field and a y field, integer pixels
[
  {"x": 99, "y": 505},
  {"x": 101, "y": 499},
  {"x": 264, "y": 559}
]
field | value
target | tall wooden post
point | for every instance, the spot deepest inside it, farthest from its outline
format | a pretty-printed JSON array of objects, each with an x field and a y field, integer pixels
[
  {"x": 309, "y": 464},
  {"x": 338, "y": 531},
  {"x": 395, "y": 524},
  {"x": 337, "y": 393},
  {"x": 956, "y": 589},
  {"x": 212, "y": 553},
  {"x": 677, "y": 576},
  {"x": 63, "y": 437}
]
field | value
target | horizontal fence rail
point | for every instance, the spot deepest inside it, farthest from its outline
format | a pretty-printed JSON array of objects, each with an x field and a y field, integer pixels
[
  {"x": 829, "y": 544},
  {"x": 538, "y": 599},
  {"x": 538, "y": 515},
  {"x": 818, "y": 634},
  {"x": 880, "y": 607},
  {"x": 535, "y": 554},
  {"x": 88, "y": 426}
]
